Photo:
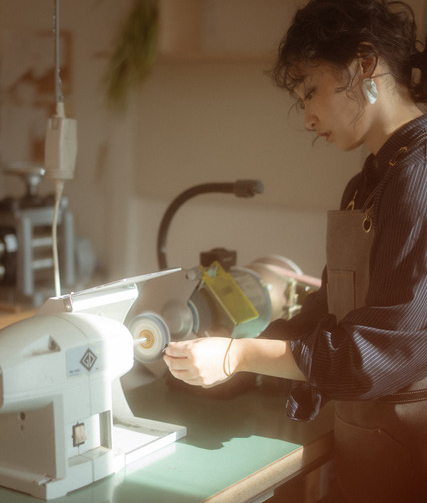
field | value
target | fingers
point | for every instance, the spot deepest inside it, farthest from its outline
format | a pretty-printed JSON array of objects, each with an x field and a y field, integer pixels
[
  {"x": 181, "y": 369},
  {"x": 197, "y": 361},
  {"x": 178, "y": 349},
  {"x": 176, "y": 358},
  {"x": 176, "y": 364}
]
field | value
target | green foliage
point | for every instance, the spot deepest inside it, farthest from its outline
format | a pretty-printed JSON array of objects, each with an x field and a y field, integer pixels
[{"x": 134, "y": 54}]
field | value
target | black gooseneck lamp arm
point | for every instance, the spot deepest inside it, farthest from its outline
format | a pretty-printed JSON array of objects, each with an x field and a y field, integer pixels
[{"x": 240, "y": 188}]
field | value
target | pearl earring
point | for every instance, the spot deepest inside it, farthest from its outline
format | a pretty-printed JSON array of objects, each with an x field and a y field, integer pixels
[{"x": 370, "y": 91}]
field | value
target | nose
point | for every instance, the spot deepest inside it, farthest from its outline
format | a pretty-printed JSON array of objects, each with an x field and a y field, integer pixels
[{"x": 310, "y": 120}]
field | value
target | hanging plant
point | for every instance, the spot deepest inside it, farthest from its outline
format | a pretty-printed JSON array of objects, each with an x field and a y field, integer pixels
[{"x": 134, "y": 54}]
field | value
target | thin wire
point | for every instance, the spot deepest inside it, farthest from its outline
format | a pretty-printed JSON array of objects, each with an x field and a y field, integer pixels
[{"x": 58, "y": 83}]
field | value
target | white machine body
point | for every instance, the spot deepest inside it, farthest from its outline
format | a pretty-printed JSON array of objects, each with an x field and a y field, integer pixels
[{"x": 64, "y": 419}]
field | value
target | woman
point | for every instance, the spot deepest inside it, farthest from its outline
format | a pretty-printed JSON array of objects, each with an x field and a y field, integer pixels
[{"x": 361, "y": 340}]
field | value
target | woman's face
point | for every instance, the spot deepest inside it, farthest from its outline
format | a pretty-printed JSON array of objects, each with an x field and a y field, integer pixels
[{"x": 333, "y": 110}]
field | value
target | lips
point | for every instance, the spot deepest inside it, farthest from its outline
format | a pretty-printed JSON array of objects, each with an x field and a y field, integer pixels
[{"x": 326, "y": 135}]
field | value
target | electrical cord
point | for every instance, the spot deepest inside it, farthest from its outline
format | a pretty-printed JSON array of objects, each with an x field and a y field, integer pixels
[{"x": 59, "y": 188}]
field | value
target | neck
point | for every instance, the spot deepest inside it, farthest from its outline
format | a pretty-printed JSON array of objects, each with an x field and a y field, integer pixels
[{"x": 389, "y": 119}]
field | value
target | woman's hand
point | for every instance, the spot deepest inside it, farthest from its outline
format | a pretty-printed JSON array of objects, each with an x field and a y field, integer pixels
[
  {"x": 206, "y": 362},
  {"x": 199, "y": 361}
]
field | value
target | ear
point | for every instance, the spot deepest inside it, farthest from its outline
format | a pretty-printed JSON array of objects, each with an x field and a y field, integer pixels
[
  {"x": 368, "y": 59},
  {"x": 367, "y": 66}
]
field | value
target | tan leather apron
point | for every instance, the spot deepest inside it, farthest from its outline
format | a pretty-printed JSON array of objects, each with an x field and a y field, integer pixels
[{"x": 378, "y": 457}]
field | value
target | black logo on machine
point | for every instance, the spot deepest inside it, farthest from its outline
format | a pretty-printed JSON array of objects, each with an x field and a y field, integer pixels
[{"x": 88, "y": 360}]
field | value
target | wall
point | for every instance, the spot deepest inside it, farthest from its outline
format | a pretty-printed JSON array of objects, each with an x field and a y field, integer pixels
[{"x": 209, "y": 121}]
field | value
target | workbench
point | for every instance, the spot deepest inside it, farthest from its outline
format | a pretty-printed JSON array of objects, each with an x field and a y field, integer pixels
[{"x": 239, "y": 447}]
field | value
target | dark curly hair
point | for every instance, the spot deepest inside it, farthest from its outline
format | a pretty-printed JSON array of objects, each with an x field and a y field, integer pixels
[{"x": 337, "y": 31}]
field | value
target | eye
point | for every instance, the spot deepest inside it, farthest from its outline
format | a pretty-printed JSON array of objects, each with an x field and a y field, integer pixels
[{"x": 309, "y": 94}]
